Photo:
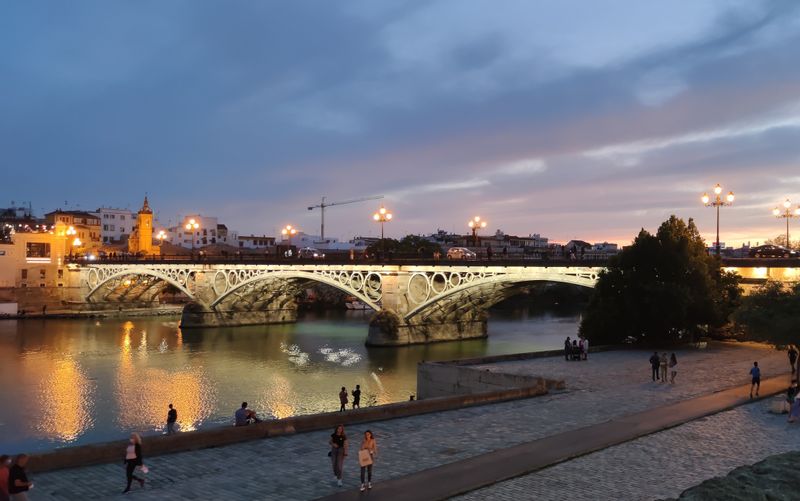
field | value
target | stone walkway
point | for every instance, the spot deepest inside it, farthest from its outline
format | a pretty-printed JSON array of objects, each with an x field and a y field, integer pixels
[
  {"x": 661, "y": 465},
  {"x": 297, "y": 467}
]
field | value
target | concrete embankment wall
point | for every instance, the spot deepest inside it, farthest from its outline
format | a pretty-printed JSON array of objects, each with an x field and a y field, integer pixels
[
  {"x": 113, "y": 452},
  {"x": 463, "y": 377}
]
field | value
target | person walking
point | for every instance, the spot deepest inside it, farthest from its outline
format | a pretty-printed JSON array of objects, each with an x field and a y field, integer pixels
[
  {"x": 567, "y": 349},
  {"x": 792, "y": 357},
  {"x": 580, "y": 348},
  {"x": 338, "y": 443},
  {"x": 663, "y": 363},
  {"x": 172, "y": 417},
  {"x": 755, "y": 372},
  {"x": 366, "y": 458},
  {"x": 357, "y": 397},
  {"x": 489, "y": 252},
  {"x": 133, "y": 458},
  {"x": 343, "y": 399},
  {"x": 673, "y": 367},
  {"x": 5, "y": 462},
  {"x": 654, "y": 363},
  {"x": 585, "y": 348},
  {"x": 18, "y": 483}
]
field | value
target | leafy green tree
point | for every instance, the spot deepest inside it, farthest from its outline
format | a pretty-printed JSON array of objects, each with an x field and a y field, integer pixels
[
  {"x": 771, "y": 313},
  {"x": 664, "y": 288},
  {"x": 410, "y": 245}
]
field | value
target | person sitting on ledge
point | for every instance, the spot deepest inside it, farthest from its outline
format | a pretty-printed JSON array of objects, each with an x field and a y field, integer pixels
[{"x": 245, "y": 416}]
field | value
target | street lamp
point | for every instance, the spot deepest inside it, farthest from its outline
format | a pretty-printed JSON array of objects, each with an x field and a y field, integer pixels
[
  {"x": 70, "y": 232},
  {"x": 287, "y": 232},
  {"x": 192, "y": 226},
  {"x": 718, "y": 202},
  {"x": 787, "y": 214},
  {"x": 161, "y": 236},
  {"x": 475, "y": 223},
  {"x": 382, "y": 216}
]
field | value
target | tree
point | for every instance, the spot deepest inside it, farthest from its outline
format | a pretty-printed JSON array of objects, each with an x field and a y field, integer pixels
[
  {"x": 771, "y": 313},
  {"x": 407, "y": 246},
  {"x": 781, "y": 241},
  {"x": 662, "y": 289}
]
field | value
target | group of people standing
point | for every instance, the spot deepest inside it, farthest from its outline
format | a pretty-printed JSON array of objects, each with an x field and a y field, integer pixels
[
  {"x": 343, "y": 398},
  {"x": 367, "y": 453},
  {"x": 576, "y": 349},
  {"x": 661, "y": 365}
]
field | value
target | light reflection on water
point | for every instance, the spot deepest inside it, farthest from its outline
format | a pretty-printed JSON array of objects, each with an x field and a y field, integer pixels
[{"x": 65, "y": 382}]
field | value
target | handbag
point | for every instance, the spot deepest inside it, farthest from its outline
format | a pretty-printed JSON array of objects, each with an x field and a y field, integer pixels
[
  {"x": 144, "y": 469},
  {"x": 364, "y": 457}
]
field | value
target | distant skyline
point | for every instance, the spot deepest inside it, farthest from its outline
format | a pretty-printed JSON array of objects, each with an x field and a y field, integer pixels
[{"x": 571, "y": 119}]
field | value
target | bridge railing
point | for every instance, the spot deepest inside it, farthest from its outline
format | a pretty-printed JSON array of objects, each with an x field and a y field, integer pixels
[{"x": 411, "y": 259}]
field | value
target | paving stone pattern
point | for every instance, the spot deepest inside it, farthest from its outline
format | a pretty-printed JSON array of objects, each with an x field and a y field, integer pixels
[
  {"x": 297, "y": 467},
  {"x": 661, "y": 465}
]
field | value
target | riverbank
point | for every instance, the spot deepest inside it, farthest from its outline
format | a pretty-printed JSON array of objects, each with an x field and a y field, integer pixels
[
  {"x": 607, "y": 386},
  {"x": 160, "y": 311}
]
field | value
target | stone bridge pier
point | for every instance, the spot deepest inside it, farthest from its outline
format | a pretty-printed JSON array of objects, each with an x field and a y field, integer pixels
[{"x": 412, "y": 303}]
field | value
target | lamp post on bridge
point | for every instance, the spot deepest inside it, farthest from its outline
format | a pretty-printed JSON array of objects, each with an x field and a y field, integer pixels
[
  {"x": 71, "y": 232},
  {"x": 287, "y": 232},
  {"x": 787, "y": 214},
  {"x": 474, "y": 224},
  {"x": 382, "y": 216},
  {"x": 718, "y": 202},
  {"x": 192, "y": 226}
]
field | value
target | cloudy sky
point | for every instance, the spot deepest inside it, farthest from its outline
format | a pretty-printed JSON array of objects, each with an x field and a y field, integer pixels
[{"x": 573, "y": 119}]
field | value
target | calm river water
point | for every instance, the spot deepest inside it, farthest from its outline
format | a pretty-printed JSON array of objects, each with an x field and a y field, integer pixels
[{"x": 66, "y": 382}]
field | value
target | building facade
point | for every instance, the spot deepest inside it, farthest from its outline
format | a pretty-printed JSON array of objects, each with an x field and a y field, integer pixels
[
  {"x": 115, "y": 224},
  {"x": 83, "y": 229}
]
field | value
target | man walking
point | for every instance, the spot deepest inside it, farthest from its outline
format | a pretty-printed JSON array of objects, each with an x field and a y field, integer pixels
[
  {"x": 792, "y": 357},
  {"x": 655, "y": 362},
  {"x": 567, "y": 348},
  {"x": 172, "y": 417},
  {"x": 357, "y": 397},
  {"x": 18, "y": 484},
  {"x": 756, "y": 373},
  {"x": 343, "y": 399}
]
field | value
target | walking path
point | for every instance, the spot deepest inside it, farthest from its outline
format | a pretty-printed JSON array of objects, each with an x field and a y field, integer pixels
[
  {"x": 608, "y": 386},
  {"x": 456, "y": 478}
]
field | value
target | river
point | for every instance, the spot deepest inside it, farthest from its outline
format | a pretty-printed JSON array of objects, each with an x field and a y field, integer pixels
[{"x": 67, "y": 382}]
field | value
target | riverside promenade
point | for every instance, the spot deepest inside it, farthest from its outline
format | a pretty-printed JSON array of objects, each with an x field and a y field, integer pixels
[{"x": 609, "y": 386}]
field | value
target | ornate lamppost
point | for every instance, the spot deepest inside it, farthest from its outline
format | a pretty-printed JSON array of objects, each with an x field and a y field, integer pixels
[
  {"x": 787, "y": 214},
  {"x": 474, "y": 224},
  {"x": 70, "y": 232},
  {"x": 192, "y": 226},
  {"x": 718, "y": 202},
  {"x": 288, "y": 231},
  {"x": 382, "y": 216}
]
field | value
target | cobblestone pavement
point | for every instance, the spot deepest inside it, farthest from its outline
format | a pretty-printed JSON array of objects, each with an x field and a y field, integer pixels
[
  {"x": 661, "y": 465},
  {"x": 297, "y": 467}
]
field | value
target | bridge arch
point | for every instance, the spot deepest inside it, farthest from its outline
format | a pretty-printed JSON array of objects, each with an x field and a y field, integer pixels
[
  {"x": 99, "y": 277},
  {"x": 356, "y": 284},
  {"x": 481, "y": 292}
]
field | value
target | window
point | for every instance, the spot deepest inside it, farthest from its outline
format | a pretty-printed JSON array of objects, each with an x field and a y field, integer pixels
[
  {"x": 121, "y": 229},
  {"x": 37, "y": 249},
  {"x": 105, "y": 216},
  {"x": 112, "y": 227},
  {"x": 105, "y": 227},
  {"x": 121, "y": 216},
  {"x": 24, "y": 274},
  {"x": 42, "y": 273},
  {"x": 113, "y": 216},
  {"x": 60, "y": 273},
  {"x": 205, "y": 232}
]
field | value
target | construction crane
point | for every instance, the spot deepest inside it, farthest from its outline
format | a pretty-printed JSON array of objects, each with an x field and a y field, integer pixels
[{"x": 322, "y": 205}]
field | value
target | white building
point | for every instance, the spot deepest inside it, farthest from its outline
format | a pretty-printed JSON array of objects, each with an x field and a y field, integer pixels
[
  {"x": 115, "y": 224},
  {"x": 208, "y": 232},
  {"x": 301, "y": 240},
  {"x": 256, "y": 242}
]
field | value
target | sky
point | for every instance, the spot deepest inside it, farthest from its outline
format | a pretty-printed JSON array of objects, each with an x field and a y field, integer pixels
[{"x": 571, "y": 119}]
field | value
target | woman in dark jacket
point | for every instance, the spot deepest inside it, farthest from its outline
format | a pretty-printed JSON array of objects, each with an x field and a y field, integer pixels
[{"x": 133, "y": 458}]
